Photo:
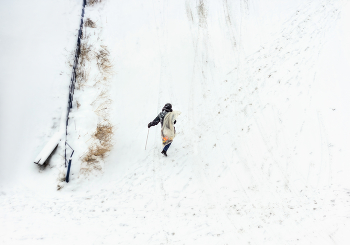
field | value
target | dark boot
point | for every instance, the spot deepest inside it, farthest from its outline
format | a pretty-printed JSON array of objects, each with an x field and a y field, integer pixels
[{"x": 164, "y": 153}]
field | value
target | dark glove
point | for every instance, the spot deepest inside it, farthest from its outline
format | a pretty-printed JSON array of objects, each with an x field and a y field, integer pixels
[
  {"x": 150, "y": 124},
  {"x": 175, "y": 122}
]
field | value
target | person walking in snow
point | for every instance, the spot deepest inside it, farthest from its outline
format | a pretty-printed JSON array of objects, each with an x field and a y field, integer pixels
[{"x": 167, "y": 118}]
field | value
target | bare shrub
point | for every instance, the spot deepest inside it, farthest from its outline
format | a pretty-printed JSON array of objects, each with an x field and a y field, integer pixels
[{"x": 89, "y": 23}]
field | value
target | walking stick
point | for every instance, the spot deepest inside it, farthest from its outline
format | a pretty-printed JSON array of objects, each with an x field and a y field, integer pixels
[{"x": 147, "y": 139}]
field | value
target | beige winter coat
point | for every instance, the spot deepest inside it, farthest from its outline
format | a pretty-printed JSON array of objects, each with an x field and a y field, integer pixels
[{"x": 168, "y": 131}]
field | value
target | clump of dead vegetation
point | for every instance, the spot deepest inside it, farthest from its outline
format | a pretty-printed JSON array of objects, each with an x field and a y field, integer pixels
[
  {"x": 102, "y": 95},
  {"x": 84, "y": 35},
  {"x": 81, "y": 72},
  {"x": 102, "y": 81},
  {"x": 81, "y": 76},
  {"x": 85, "y": 52},
  {"x": 103, "y": 62},
  {"x": 102, "y": 110},
  {"x": 61, "y": 179},
  {"x": 89, "y": 23},
  {"x": 101, "y": 145},
  {"x": 93, "y": 2},
  {"x": 95, "y": 153},
  {"x": 104, "y": 133},
  {"x": 102, "y": 104}
]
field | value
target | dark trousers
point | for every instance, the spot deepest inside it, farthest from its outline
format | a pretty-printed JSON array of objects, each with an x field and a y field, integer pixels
[{"x": 166, "y": 147}]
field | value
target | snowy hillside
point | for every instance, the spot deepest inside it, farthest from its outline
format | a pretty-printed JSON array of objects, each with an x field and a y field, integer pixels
[{"x": 262, "y": 147}]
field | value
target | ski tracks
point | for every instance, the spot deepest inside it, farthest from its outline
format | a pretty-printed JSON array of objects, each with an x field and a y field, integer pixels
[{"x": 264, "y": 76}]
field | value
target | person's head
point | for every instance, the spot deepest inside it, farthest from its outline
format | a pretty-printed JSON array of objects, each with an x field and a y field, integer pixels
[{"x": 168, "y": 107}]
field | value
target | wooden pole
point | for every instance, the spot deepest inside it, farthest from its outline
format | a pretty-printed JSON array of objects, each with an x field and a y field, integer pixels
[{"x": 147, "y": 139}]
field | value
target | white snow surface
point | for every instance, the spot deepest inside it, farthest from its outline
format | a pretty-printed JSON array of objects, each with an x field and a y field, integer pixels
[{"x": 262, "y": 148}]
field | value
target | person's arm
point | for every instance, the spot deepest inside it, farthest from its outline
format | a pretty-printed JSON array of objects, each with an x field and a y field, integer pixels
[{"x": 154, "y": 122}]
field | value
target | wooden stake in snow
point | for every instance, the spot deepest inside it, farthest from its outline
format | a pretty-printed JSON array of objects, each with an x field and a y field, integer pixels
[{"x": 146, "y": 139}]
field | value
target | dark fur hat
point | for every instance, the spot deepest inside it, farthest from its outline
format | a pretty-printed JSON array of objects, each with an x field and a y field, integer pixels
[{"x": 167, "y": 107}]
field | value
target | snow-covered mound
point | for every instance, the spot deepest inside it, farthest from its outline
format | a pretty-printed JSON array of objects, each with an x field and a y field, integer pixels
[{"x": 261, "y": 151}]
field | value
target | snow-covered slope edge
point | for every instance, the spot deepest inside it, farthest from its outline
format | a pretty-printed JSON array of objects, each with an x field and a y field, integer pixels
[
  {"x": 37, "y": 39},
  {"x": 90, "y": 130}
]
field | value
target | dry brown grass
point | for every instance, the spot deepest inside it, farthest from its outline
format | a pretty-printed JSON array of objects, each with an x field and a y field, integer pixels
[
  {"x": 99, "y": 149},
  {"x": 84, "y": 35},
  {"x": 93, "y": 2},
  {"x": 93, "y": 166},
  {"x": 102, "y": 95},
  {"x": 104, "y": 133},
  {"x": 101, "y": 139},
  {"x": 81, "y": 75},
  {"x": 102, "y": 81},
  {"x": 96, "y": 152},
  {"x": 89, "y": 23},
  {"x": 70, "y": 58},
  {"x": 85, "y": 52},
  {"x": 103, "y": 62},
  {"x": 103, "y": 109}
]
